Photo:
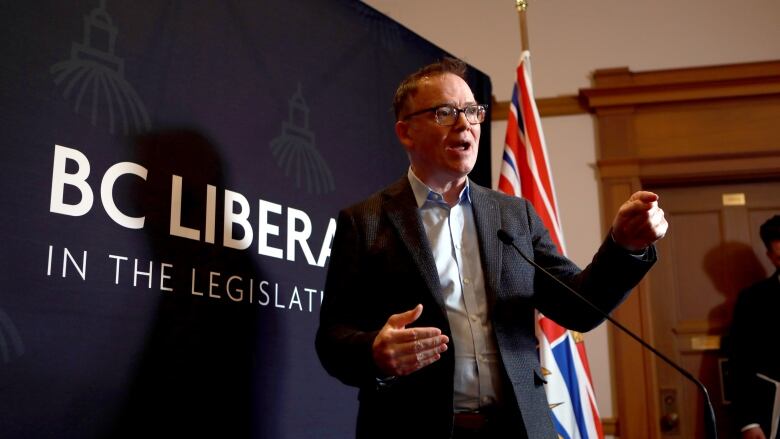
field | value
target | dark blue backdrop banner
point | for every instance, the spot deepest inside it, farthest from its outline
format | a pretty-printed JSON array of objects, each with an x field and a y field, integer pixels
[{"x": 171, "y": 171}]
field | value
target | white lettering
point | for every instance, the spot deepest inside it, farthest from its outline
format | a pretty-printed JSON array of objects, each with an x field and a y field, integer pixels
[
  {"x": 276, "y": 297},
  {"x": 48, "y": 265},
  {"x": 107, "y": 195},
  {"x": 60, "y": 178},
  {"x": 296, "y": 299},
  {"x": 327, "y": 242},
  {"x": 119, "y": 260},
  {"x": 240, "y": 218},
  {"x": 264, "y": 229},
  {"x": 137, "y": 273},
  {"x": 238, "y": 290},
  {"x": 211, "y": 212},
  {"x": 213, "y": 284},
  {"x": 82, "y": 270},
  {"x": 192, "y": 289},
  {"x": 265, "y": 294},
  {"x": 299, "y": 236},
  {"x": 164, "y": 277},
  {"x": 310, "y": 291},
  {"x": 176, "y": 228}
]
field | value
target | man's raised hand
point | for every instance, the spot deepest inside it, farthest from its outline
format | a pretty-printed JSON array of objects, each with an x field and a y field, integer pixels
[{"x": 639, "y": 222}]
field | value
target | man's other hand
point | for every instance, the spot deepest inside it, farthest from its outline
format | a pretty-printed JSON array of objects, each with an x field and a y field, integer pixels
[{"x": 400, "y": 351}]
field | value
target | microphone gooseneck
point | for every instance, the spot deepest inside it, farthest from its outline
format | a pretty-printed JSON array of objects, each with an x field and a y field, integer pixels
[{"x": 709, "y": 416}]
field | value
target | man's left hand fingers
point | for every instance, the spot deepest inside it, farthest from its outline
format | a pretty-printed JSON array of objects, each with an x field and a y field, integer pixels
[
  {"x": 417, "y": 361},
  {"x": 425, "y": 344}
]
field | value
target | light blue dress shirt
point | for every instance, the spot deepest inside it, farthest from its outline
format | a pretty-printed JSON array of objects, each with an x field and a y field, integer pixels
[{"x": 452, "y": 234}]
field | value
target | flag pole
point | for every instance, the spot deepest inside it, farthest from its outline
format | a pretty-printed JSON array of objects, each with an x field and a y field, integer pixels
[{"x": 522, "y": 5}]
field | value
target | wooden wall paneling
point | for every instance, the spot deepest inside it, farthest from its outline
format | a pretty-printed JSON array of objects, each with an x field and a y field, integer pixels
[
  {"x": 704, "y": 124},
  {"x": 712, "y": 126}
]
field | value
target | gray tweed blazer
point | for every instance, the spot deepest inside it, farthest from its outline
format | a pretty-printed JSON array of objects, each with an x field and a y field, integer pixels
[{"x": 381, "y": 264}]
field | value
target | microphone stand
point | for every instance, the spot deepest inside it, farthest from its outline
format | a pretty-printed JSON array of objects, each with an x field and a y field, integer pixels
[{"x": 710, "y": 429}]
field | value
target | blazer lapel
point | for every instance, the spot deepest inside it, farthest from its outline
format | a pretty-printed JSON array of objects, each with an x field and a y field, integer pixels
[
  {"x": 488, "y": 220},
  {"x": 401, "y": 208}
]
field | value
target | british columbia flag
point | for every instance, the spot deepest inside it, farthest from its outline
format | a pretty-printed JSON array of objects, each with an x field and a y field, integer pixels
[{"x": 525, "y": 172}]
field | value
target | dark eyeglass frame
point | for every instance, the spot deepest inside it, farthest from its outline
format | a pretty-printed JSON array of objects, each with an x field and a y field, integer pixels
[{"x": 458, "y": 111}]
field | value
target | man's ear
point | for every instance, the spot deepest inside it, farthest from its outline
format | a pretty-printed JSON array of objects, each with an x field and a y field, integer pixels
[{"x": 402, "y": 132}]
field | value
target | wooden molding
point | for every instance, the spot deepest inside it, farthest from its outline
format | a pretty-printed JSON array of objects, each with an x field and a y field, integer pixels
[
  {"x": 620, "y": 87},
  {"x": 499, "y": 110},
  {"x": 741, "y": 166},
  {"x": 616, "y": 87},
  {"x": 622, "y": 76},
  {"x": 557, "y": 106},
  {"x": 561, "y": 106}
]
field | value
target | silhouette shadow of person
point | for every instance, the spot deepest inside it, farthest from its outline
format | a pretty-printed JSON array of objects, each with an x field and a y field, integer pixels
[
  {"x": 200, "y": 372},
  {"x": 730, "y": 266}
]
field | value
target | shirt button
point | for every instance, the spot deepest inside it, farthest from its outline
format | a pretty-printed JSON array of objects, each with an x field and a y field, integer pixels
[
  {"x": 466, "y": 280},
  {"x": 457, "y": 245},
  {"x": 474, "y": 318},
  {"x": 487, "y": 399}
]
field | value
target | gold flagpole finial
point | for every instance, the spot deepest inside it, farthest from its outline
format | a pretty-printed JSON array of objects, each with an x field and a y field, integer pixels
[{"x": 521, "y": 5}]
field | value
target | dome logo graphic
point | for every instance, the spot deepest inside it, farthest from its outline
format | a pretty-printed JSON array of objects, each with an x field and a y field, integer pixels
[
  {"x": 94, "y": 78},
  {"x": 294, "y": 150}
]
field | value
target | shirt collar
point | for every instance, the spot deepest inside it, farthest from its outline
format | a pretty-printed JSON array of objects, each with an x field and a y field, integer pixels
[{"x": 422, "y": 192}]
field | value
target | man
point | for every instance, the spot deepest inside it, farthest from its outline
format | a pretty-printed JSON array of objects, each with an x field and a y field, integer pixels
[
  {"x": 427, "y": 313},
  {"x": 754, "y": 361}
]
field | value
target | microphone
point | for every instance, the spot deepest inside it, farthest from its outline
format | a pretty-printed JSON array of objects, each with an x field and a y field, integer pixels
[{"x": 710, "y": 429}]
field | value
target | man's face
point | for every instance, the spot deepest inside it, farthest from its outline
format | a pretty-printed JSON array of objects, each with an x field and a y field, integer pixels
[
  {"x": 439, "y": 154},
  {"x": 774, "y": 253}
]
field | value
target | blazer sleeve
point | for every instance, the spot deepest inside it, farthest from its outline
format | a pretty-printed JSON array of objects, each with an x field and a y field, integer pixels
[
  {"x": 343, "y": 343},
  {"x": 606, "y": 281}
]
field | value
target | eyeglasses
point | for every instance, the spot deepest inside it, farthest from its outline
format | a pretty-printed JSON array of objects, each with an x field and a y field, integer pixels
[{"x": 447, "y": 115}]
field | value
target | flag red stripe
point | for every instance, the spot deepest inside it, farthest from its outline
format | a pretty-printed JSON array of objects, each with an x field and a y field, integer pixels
[
  {"x": 534, "y": 137},
  {"x": 504, "y": 186}
]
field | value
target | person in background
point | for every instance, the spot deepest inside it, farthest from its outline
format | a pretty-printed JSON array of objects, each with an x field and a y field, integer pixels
[
  {"x": 755, "y": 365},
  {"x": 427, "y": 313}
]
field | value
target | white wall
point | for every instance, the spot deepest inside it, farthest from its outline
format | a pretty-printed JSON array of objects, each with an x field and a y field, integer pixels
[{"x": 569, "y": 39}]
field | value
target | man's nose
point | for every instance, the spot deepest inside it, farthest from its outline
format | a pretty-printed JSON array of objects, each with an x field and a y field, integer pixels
[{"x": 460, "y": 121}]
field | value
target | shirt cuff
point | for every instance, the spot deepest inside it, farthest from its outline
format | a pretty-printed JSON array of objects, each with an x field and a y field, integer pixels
[
  {"x": 748, "y": 427},
  {"x": 639, "y": 254}
]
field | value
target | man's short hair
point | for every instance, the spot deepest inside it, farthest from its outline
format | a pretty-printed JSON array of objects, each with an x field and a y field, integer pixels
[
  {"x": 770, "y": 231},
  {"x": 409, "y": 85}
]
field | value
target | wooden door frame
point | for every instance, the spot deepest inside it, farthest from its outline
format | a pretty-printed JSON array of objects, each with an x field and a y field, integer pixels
[{"x": 678, "y": 126}]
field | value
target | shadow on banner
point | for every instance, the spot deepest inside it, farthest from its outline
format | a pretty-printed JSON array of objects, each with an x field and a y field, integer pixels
[{"x": 202, "y": 358}]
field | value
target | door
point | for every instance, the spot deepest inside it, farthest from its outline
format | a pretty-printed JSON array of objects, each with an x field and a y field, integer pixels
[{"x": 711, "y": 252}]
